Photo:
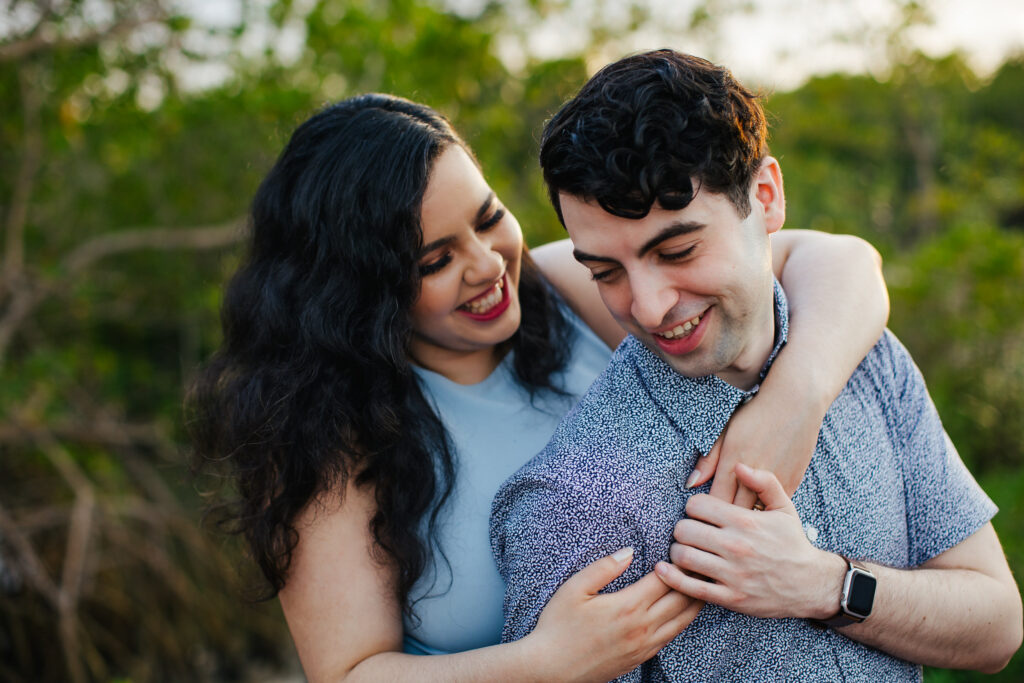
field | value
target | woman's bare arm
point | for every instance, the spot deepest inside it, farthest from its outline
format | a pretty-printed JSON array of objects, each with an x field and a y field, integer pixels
[
  {"x": 341, "y": 609},
  {"x": 576, "y": 285},
  {"x": 838, "y": 307}
]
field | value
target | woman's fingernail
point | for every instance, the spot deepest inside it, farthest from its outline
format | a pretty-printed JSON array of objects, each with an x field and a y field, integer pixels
[
  {"x": 622, "y": 555},
  {"x": 694, "y": 476},
  {"x": 661, "y": 568}
]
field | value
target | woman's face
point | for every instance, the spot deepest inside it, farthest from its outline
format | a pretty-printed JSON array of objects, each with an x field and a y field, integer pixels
[{"x": 468, "y": 300}]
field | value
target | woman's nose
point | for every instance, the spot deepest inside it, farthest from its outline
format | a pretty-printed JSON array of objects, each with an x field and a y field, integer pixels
[{"x": 486, "y": 265}]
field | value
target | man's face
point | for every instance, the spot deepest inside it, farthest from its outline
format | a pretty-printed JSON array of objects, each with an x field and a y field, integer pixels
[{"x": 694, "y": 285}]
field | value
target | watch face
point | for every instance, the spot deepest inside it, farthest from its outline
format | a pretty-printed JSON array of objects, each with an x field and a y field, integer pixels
[{"x": 861, "y": 595}]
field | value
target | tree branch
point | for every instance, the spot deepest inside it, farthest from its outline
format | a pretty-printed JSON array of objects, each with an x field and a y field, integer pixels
[
  {"x": 31, "y": 157},
  {"x": 29, "y": 295},
  {"x": 207, "y": 237},
  {"x": 27, "y": 559},
  {"x": 40, "y": 41},
  {"x": 78, "y": 431}
]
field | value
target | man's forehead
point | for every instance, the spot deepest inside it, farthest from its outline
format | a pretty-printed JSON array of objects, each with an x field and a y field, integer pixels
[{"x": 597, "y": 232}]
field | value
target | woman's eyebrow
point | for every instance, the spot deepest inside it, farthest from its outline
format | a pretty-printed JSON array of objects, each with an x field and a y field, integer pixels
[
  {"x": 444, "y": 241},
  {"x": 485, "y": 207},
  {"x": 436, "y": 244}
]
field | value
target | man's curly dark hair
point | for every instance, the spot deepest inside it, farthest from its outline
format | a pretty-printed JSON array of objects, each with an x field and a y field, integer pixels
[{"x": 648, "y": 126}]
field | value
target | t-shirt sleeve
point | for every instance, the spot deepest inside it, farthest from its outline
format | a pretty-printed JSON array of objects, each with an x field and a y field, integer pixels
[
  {"x": 945, "y": 505},
  {"x": 541, "y": 534}
]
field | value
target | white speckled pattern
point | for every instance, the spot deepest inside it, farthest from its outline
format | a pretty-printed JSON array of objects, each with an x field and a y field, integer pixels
[{"x": 885, "y": 484}]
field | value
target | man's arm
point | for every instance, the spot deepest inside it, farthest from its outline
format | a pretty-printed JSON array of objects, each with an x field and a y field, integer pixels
[{"x": 960, "y": 609}]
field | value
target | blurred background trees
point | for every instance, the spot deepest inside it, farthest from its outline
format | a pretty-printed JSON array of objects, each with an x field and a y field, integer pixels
[{"x": 133, "y": 133}]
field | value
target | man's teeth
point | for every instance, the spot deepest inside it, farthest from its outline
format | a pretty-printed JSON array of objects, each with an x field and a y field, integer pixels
[
  {"x": 681, "y": 330},
  {"x": 488, "y": 302}
]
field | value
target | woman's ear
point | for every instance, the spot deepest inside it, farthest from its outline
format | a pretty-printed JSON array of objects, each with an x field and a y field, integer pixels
[{"x": 769, "y": 194}]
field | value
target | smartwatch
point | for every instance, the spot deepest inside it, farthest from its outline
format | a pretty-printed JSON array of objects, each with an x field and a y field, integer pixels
[{"x": 857, "y": 597}]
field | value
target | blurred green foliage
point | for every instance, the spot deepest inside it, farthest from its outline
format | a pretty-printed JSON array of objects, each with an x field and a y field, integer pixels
[{"x": 122, "y": 196}]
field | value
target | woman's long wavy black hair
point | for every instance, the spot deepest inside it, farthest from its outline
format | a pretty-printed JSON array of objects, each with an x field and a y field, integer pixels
[{"x": 312, "y": 384}]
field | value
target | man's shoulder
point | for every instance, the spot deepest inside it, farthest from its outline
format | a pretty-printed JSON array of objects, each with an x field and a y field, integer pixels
[
  {"x": 887, "y": 365},
  {"x": 590, "y": 433},
  {"x": 604, "y": 444}
]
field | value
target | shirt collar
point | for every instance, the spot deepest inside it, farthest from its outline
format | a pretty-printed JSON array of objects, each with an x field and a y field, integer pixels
[{"x": 700, "y": 407}]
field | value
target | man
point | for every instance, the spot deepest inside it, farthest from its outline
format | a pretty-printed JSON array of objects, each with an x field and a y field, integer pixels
[{"x": 659, "y": 170}]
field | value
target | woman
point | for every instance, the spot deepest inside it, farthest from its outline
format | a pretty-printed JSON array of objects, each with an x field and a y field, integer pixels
[{"x": 387, "y": 325}]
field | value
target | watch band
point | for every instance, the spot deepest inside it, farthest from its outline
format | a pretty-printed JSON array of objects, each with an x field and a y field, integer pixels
[{"x": 844, "y": 617}]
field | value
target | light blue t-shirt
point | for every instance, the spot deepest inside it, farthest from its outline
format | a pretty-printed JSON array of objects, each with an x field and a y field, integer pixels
[{"x": 495, "y": 430}]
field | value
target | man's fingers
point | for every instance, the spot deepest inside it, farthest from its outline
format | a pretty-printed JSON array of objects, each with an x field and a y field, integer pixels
[
  {"x": 696, "y": 533},
  {"x": 766, "y": 486},
  {"x": 599, "y": 573},
  {"x": 714, "y": 511},
  {"x": 697, "y": 561}
]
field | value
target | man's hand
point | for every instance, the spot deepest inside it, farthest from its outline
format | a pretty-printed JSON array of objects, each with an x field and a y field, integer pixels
[{"x": 757, "y": 563}]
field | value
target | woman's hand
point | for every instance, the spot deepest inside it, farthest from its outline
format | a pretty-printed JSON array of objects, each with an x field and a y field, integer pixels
[
  {"x": 585, "y": 635},
  {"x": 774, "y": 435}
]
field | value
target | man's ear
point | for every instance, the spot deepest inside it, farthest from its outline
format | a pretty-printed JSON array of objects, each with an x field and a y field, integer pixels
[{"x": 769, "y": 195}]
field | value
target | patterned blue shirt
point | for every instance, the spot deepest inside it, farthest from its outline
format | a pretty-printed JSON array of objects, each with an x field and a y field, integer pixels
[{"x": 885, "y": 484}]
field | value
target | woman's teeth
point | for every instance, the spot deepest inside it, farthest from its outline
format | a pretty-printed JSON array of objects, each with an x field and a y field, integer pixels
[
  {"x": 681, "y": 330},
  {"x": 485, "y": 304}
]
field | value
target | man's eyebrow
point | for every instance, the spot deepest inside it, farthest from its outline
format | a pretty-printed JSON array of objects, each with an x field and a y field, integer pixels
[
  {"x": 669, "y": 232},
  {"x": 444, "y": 241},
  {"x": 582, "y": 256}
]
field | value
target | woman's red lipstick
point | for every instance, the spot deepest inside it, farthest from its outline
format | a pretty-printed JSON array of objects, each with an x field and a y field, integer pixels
[{"x": 493, "y": 312}]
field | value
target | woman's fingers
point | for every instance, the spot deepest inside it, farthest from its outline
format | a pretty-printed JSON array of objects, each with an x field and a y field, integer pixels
[
  {"x": 599, "y": 573},
  {"x": 766, "y": 486},
  {"x": 668, "y": 606},
  {"x": 666, "y": 617},
  {"x": 642, "y": 594},
  {"x": 745, "y": 498},
  {"x": 706, "y": 466},
  {"x": 677, "y": 624}
]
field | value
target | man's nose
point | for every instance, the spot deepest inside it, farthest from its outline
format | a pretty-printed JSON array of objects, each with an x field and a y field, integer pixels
[{"x": 653, "y": 298}]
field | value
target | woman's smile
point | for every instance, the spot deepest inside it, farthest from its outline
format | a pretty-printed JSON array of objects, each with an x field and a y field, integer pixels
[{"x": 488, "y": 305}]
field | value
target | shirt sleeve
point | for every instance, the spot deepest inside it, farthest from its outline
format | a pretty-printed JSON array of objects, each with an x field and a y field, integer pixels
[
  {"x": 542, "y": 533},
  {"x": 945, "y": 505}
]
